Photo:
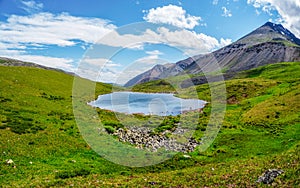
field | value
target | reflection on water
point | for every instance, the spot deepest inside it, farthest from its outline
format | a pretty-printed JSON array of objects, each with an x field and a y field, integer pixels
[{"x": 161, "y": 104}]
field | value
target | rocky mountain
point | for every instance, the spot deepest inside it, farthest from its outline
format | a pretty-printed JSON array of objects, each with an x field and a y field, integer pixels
[
  {"x": 270, "y": 43},
  {"x": 161, "y": 71},
  {"x": 152, "y": 74}
]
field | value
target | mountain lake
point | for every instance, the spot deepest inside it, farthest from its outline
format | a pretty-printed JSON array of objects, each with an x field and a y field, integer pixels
[{"x": 161, "y": 104}]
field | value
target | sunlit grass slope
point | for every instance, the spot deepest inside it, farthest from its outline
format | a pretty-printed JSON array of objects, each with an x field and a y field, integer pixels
[{"x": 260, "y": 131}]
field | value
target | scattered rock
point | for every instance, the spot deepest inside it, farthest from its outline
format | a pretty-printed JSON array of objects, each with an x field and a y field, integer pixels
[
  {"x": 9, "y": 161},
  {"x": 152, "y": 182},
  {"x": 269, "y": 176},
  {"x": 144, "y": 138}
]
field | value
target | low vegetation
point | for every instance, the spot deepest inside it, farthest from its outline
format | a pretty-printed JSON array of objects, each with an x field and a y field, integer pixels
[{"x": 39, "y": 134}]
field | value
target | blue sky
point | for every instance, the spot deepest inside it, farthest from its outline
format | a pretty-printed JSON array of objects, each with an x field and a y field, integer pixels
[{"x": 112, "y": 41}]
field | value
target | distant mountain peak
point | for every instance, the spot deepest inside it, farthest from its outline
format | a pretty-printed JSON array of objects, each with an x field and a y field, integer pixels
[
  {"x": 270, "y": 43},
  {"x": 280, "y": 29},
  {"x": 269, "y": 32},
  {"x": 271, "y": 24}
]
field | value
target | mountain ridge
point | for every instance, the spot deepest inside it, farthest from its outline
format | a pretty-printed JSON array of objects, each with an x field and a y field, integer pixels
[
  {"x": 5, "y": 61},
  {"x": 268, "y": 44}
]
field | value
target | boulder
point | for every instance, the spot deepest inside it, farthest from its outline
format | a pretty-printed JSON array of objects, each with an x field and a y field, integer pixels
[{"x": 269, "y": 176}]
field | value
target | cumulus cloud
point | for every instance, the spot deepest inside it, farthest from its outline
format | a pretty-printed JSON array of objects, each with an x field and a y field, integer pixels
[
  {"x": 288, "y": 10},
  {"x": 226, "y": 12},
  {"x": 51, "y": 29},
  {"x": 31, "y": 6},
  {"x": 22, "y": 33},
  {"x": 172, "y": 15},
  {"x": 190, "y": 42}
]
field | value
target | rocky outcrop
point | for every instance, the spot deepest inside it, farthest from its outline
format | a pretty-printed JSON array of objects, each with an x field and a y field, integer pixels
[{"x": 145, "y": 138}]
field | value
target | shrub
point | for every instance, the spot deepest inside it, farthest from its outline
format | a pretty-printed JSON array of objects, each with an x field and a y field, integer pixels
[
  {"x": 115, "y": 125},
  {"x": 110, "y": 129},
  {"x": 73, "y": 173}
]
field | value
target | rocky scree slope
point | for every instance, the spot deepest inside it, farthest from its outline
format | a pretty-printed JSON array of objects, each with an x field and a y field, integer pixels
[{"x": 270, "y": 43}]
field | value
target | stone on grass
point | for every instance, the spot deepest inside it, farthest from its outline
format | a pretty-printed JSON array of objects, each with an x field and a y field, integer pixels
[
  {"x": 269, "y": 176},
  {"x": 9, "y": 161}
]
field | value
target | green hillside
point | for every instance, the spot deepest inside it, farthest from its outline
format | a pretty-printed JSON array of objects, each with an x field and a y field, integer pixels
[{"x": 260, "y": 131}]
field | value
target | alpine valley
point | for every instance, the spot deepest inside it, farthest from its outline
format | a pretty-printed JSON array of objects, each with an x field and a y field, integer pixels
[{"x": 258, "y": 144}]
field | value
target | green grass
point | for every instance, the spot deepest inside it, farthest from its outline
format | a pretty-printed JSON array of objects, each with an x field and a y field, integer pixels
[
  {"x": 39, "y": 133},
  {"x": 155, "y": 86}
]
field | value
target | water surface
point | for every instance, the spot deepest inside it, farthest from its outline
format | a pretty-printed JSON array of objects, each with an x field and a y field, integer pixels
[{"x": 162, "y": 104}]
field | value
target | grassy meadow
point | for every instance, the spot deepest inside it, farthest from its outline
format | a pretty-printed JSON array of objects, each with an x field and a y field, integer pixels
[{"x": 260, "y": 131}]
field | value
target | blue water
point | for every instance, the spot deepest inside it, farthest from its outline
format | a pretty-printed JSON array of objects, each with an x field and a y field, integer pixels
[{"x": 146, "y": 103}]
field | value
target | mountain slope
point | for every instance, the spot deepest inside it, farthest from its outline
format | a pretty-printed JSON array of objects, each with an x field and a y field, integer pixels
[
  {"x": 152, "y": 74},
  {"x": 270, "y": 43},
  {"x": 4, "y": 61}
]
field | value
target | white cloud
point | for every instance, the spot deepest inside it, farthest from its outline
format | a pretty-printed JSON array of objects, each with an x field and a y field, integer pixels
[
  {"x": 154, "y": 52},
  {"x": 31, "y": 6},
  {"x": 99, "y": 63},
  {"x": 187, "y": 41},
  {"x": 54, "y": 62},
  {"x": 20, "y": 54},
  {"x": 50, "y": 29},
  {"x": 19, "y": 34},
  {"x": 103, "y": 75},
  {"x": 287, "y": 9},
  {"x": 150, "y": 60},
  {"x": 215, "y": 2},
  {"x": 104, "y": 70},
  {"x": 226, "y": 12},
  {"x": 225, "y": 42},
  {"x": 172, "y": 15},
  {"x": 98, "y": 69}
]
